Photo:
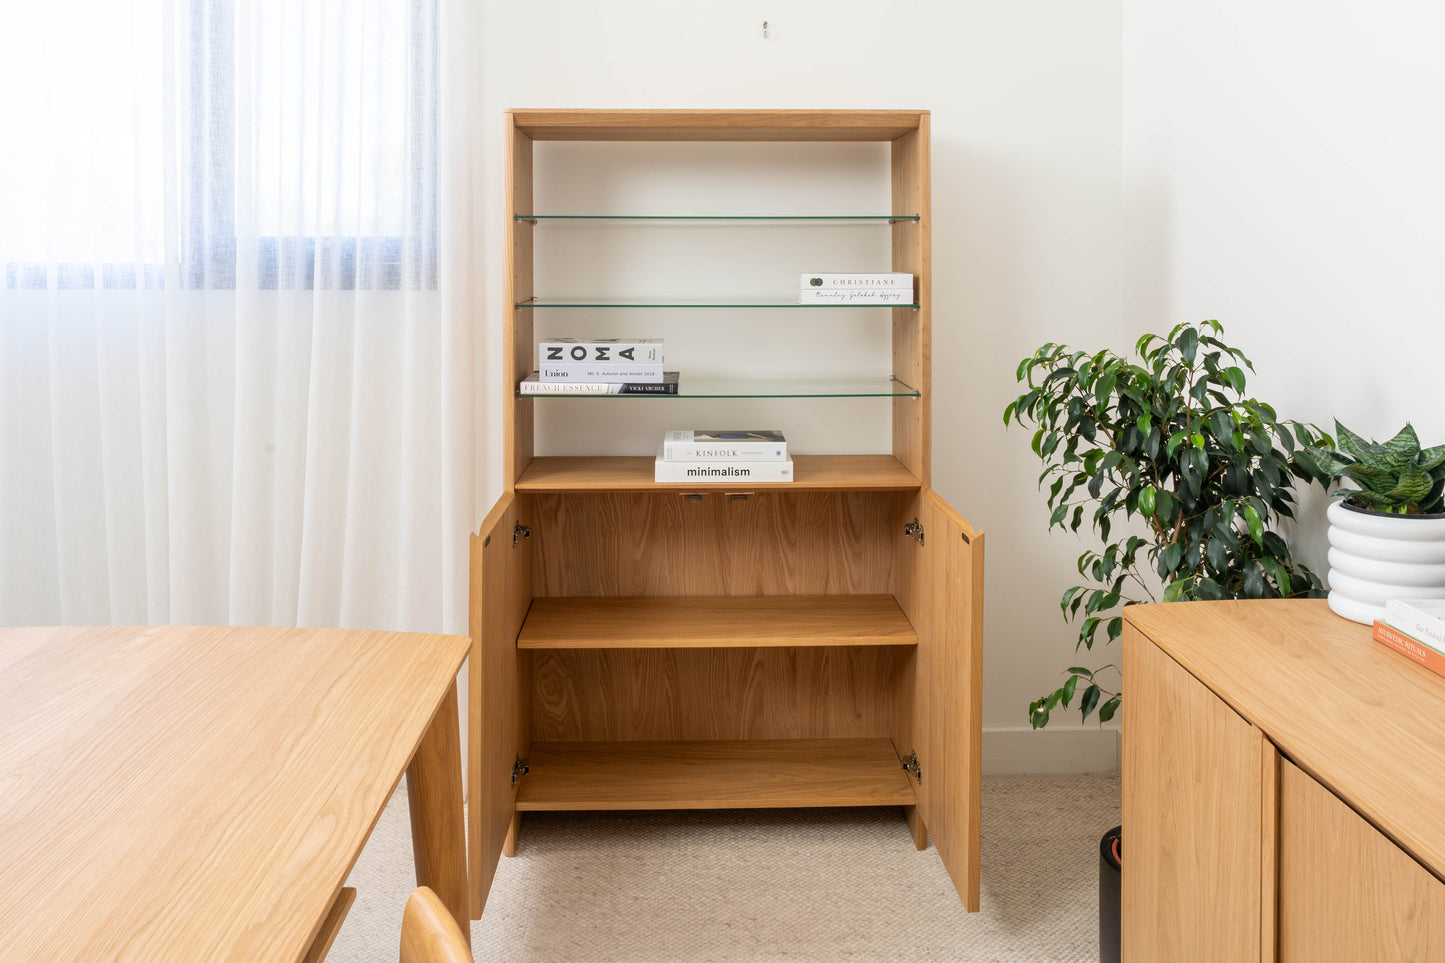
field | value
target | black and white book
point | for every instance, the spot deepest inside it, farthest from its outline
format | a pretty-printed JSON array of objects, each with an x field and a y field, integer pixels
[
  {"x": 610, "y": 350},
  {"x": 715, "y": 444},
  {"x": 534, "y": 385},
  {"x": 721, "y": 472},
  {"x": 855, "y": 296},
  {"x": 624, "y": 371},
  {"x": 872, "y": 281}
]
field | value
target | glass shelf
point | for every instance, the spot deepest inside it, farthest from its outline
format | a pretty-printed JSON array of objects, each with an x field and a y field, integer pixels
[
  {"x": 755, "y": 218},
  {"x": 698, "y": 387},
  {"x": 693, "y": 303}
]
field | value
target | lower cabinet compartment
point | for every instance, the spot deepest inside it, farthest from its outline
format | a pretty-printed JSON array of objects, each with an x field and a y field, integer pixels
[{"x": 723, "y": 774}]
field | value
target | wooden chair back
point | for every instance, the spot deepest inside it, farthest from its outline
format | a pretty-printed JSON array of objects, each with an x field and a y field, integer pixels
[{"x": 429, "y": 934}]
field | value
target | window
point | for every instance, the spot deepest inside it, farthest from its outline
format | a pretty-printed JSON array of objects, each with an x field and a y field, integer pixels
[{"x": 290, "y": 143}]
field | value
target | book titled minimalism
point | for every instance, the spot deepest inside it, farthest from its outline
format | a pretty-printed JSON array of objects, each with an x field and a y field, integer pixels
[
  {"x": 600, "y": 351},
  {"x": 714, "y": 444},
  {"x": 721, "y": 472},
  {"x": 625, "y": 371},
  {"x": 534, "y": 385}
]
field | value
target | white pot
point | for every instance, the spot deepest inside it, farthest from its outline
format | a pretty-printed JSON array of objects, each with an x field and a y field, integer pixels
[{"x": 1375, "y": 557}]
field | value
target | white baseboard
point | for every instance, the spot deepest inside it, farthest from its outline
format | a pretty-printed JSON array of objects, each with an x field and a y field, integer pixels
[{"x": 1019, "y": 749}]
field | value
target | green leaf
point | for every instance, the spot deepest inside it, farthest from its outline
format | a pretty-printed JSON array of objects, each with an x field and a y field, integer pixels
[
  {"x": 1164, "y": 505},
  {"x": 1256, "y": 526},
  {"x": 1068, "y": 689},
  {"x": 1091, "y": 699},
  {"x": 1107, "y": 710},
  {"x": 1169, "y": 558},
  {"x": 1188, "y": 344},
  {"x": 1404, "y": 447},
  {"x": 1236, "y": 378},
  {"x": 1146, "y": 500}
]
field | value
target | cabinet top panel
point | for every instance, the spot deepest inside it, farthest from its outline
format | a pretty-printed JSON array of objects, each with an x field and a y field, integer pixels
[
  {"x": 1364, "y": 720},
  {"x": 700, "y": 125}
]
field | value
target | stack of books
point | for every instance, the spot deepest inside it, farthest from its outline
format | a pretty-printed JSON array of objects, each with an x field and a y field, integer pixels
[
  {"x": 1416, "y": 628},
  {"x": 855, "y": 288},
  {"x": 724, "y": 456},
  {"x": 609, "y": 366}
]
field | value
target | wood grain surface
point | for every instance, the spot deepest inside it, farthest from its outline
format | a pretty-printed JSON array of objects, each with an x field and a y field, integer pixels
[
  {"x": 798, "y": 543},
  {"x": 673, "y": 694},
  {"x": 715, "y": 622},
  {"x": 429, "y": 934},
  {"x": 912, "y": 327},
  {"x": 517, "y": 286},
  {"x": 1348, "y": 894},
  {"x": 713, "y": 775},
  {"x": 1193, "y": 808},
  {"x": 716, "y": 125},
  {"x": 1364, "y": 720},
  {"x": 187, "y": 793},
  {"x": 331, "y": 926},
  {"x": 634, "y": 473}
]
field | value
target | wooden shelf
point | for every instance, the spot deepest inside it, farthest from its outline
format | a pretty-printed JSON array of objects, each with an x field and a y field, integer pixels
[
  {"x": 715, "y": 622},
  {"x": 633, "y": 473},
  {"x": 711, "y": 125},
  {"x": 746, "y": 774}
]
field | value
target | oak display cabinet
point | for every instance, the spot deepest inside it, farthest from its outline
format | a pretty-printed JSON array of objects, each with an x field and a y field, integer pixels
[{"x": 672, "y": 646}]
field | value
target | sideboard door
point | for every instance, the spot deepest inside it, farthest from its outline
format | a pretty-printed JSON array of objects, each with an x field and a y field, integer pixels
[
  {"x": 501, "y": 593},
  {"x": 947, "y": 688},
  {"x": 1199, "y": 800},
  {"x": 1347, "y": 893}
]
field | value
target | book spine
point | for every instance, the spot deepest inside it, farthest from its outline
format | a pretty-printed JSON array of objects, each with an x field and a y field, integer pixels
[
  {"x": 892, "y": 280},
  {"x": 735, "y": 451},
  {"x": 595, "y": 388},
  {"x": 637, "y": 373},
  {"x": 855, "y": 296},
  {"x": 595, "y": 352},
  {"x": 724, "y": 472},
  {"x": 1428, "y": 631},
  {"x": 1423, "y": 654}
]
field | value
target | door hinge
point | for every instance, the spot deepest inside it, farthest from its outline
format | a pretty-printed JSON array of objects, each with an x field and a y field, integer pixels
[
  {"x": 910, "y": 765},
  {"x": 914, "y": 529},
  {"x": 519, "y": 769},
  {"x": 519, "y": 532}
]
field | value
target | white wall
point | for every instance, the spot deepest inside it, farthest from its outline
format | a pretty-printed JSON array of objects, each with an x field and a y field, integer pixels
[
  {"x": 1025, "y": 101},
  {"x": 1282, "y": 173}
]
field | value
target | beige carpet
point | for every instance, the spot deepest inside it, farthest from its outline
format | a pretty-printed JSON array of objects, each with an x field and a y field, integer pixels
[{"x": 832, "y": 884}]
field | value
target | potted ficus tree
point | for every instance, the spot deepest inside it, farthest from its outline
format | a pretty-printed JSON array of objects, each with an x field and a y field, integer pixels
[
  {"x": 1181, "y": 476},
  {"x": 1387, "y": 534}
]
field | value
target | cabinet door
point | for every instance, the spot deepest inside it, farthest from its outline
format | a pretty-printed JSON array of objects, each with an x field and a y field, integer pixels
[
  {"x": 1346, "y": 892},
  {"x": 501, "y": 592},
  {"x": 1198, "y": 803},
  {"x": 947, "y": 611}
]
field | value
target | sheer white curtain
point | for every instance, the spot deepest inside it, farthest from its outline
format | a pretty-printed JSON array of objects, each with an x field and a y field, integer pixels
[{"x": 236, "y": 311}]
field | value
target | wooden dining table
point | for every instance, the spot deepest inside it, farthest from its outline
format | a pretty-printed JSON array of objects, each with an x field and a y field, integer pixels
[{"x": 202, "y": 792}]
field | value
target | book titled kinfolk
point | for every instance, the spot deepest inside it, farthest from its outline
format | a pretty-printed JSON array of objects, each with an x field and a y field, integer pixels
[
  {"x": 721, "y": 472},
  {"x": 534, "y": 385},
  {"x": 601, "y": 371},
  {"x": 600, "y": 350},
  {"x": 903, "y": 282},
  {"x": 1422, "y": 619},
  {"x": 855, "y": 296},
  {"x": 714, "y": 444}
]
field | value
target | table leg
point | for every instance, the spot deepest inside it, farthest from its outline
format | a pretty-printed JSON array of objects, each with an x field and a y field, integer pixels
[{"x": 434, "y": 794}]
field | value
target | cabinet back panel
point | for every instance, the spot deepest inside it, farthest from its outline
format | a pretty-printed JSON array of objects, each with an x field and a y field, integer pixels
[
  {"x": 668, "y": 694},
  {"x": 771, "y": 543}
]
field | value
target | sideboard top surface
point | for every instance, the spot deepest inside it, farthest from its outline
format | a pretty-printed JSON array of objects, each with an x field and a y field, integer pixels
[{"x": 1364, "y": 720}]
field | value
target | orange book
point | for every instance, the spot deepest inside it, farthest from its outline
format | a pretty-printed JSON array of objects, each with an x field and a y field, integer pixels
[{"x": 1402, "y": 643}]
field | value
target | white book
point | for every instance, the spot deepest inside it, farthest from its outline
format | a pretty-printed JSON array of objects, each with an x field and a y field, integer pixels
[
  {"x": 1421, "y": 619},
  {"x": 534, "y": 385},
  {"x": 610, "y": 350},
  {"x": 601, "y": 371},
  {"x": 902, "y": 281},
  {"x": 721, "y": 472},
  {"x": 855, "y": 296},
  {"x": 715, "y": 444}
]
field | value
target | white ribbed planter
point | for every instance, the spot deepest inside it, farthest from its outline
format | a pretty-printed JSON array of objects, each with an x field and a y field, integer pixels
[{"x": 1375, "y": 557}]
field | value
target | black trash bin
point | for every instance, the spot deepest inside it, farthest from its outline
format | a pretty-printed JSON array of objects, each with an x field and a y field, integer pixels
[{"x": 1109, "y": 848}]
